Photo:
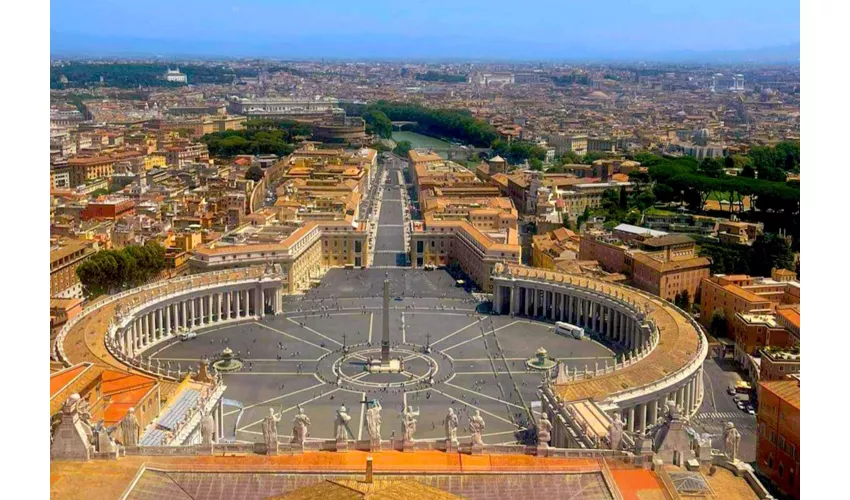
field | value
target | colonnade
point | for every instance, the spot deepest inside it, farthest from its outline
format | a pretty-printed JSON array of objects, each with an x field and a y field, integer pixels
[
  {"x": 687, "y": 396},
  {"x": 620, "y": 320},
  {"x": 172, "y": 315},
  {"x": 600, "y": 314}
]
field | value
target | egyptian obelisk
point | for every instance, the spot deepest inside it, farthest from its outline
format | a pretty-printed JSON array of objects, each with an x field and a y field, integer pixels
[{"x": 385, "y": 336}]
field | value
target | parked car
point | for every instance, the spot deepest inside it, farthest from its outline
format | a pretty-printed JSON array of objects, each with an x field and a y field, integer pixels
[
  {"x": 751, "y": 410},
  {"x": 188, "y": 335},
  {"x": 730, "y": 390}
]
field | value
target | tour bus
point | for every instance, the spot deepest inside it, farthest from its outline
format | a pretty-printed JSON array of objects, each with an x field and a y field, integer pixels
[{"x": 562, "y": 328}]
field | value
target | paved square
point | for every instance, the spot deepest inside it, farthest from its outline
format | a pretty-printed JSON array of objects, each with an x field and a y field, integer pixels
[{"x": 476, "y": 360}]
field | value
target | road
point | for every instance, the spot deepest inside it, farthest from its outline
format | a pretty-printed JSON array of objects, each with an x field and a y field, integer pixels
[
  {"x": 718, "y": 407},
  {"x": 390, "y": 240}
]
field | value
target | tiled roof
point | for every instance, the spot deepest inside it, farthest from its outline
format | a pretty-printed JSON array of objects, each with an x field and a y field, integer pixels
[{"x": 787, "y": 390}]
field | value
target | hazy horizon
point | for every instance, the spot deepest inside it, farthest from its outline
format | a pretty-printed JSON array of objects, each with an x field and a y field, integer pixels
[{"x": 661, "y": 30}]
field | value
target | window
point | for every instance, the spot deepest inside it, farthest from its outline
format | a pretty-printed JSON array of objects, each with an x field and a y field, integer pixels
[
  {"x": 782, "y": 443},
  {"x": 792, "y": 450},
  {"x": 781, "y": 469}
]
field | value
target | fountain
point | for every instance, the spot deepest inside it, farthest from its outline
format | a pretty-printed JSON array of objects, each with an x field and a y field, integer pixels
[
  {"x": 227, "y": 363},
  {"x": 541, "y": 360}
]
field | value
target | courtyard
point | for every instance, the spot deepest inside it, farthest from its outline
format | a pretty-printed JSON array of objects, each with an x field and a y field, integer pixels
[{"x": 455, "y": 354}]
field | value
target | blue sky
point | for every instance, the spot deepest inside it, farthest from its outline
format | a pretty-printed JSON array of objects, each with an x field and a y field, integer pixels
[{"x": 435, "y": 28}]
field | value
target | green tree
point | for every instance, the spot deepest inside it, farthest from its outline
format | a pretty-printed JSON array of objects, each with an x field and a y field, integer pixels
[
  {"x": 719, "y": 326},
  {"x": 645, "y": 200},
  {"x": 402, "y": 148},
  {"x": 771, "y": 251},
  {"x": 535, "y": 164},
  {"x": 569, "y": 157},
  {"x": 624, "y": 199},
  {"x": 592, "y": 156},
  {"x": 378, "y": 123},
  {"x": 584, "y": 217},
  {"x": 255, "y": 173},
  {"x": 711, "y": 167},
  {"x": 682, "y": 300},
  {"x": 108, "y": 271},
  {"x": 748, "y": 171}
]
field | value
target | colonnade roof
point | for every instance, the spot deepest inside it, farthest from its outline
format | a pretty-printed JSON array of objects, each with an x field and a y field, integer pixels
[{"x": 678, "y": 338}]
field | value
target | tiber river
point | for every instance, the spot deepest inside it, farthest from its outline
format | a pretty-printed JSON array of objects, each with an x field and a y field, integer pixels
[{"x": 421, "y": 141}]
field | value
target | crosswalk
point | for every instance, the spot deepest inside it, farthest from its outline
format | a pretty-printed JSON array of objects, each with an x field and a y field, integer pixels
[{"x": 727, "y": 415}]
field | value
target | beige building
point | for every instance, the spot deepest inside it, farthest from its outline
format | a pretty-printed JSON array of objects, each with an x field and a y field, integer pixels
[
  {"x": 305, "y": 253},
  {"x": 64, "y": 261},
  {"x": 472, "y": 232}
]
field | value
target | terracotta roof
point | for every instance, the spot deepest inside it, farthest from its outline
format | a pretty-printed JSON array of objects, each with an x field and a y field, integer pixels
[
  {"x": 670, "y": 239},
  {"x": 124, "y": 390},
  {"x": 787, "y": 390},
  {"x": 389, "y": 489},
  {"x": 792, "y": 314},
  {"x": 666, "y": 267},
  {"x": 744, "y": 294},
  {"x": 60, "y": 379},
  {"x": 74, "y": 386}
]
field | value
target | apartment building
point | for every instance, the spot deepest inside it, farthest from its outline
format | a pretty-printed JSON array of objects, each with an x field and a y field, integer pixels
[
  {"x": 740, "y": 293},
  {"x": 664, "y": 265},
  {"x": 304, "y": 252},
  {"x": 64, "y": 260},
  {"x": 474, "y": 232},
  {"x": 778, "y": 442}
]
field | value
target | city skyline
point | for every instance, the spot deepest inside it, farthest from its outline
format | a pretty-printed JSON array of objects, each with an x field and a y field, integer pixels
[{"x": 658, "y": 31}]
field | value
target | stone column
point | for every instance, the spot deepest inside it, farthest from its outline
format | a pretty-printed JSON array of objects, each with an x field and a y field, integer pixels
[
  {"x": 143, "y": 334},
  {"x": 553, "y": 304},
  {"x": 183, "y": 322},
  {"x": 535, "y": 301},
  {"x": 161, "y": 322},
  {"x": 631, "y": 419},
  {"x": 227, "y": 298},
  {"x": 653, "y": 412},
  {"x": 259, "y": 302},
  {"x": 209, "y": 315},
  {"x": 247, "y": 303},
  {"x": 151, "y": 327},
  {"x": 597, "y": 317},
  {"x": 641, "y": 418}
]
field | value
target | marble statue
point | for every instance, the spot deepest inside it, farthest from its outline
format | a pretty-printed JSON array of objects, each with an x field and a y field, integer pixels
[
  {"x": 615, "y": 431},
  {"x": 544, "y": 429},
  {"x": 373, "y": 421},
  {"x": 84, "y": 414},
  {"x": 130, "y": 429},
  {"x": 300, "y": 427},
  {"x": 451, "y": 427},
  {"x": 207, "y": 430},
  {"x": 476, "y": 427},
  {"x": 731, "y": 438},
  {"x": 270, "y": 431},
  {"x": 408, "y": 423},
  {"x": 103, "y": 441},
  {"x": 341, "y": 424}
]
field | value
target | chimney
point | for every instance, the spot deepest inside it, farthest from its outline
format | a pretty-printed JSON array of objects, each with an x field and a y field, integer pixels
[{"x": 369, "y": 470}]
